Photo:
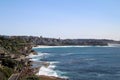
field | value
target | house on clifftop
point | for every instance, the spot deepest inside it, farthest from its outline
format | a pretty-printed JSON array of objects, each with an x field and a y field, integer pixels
[{"x": 2, "y": 53}]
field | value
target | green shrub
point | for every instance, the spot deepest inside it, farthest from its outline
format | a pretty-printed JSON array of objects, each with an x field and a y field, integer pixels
[
  {"x": 7, "y": 72},
  {"x": 9, "y": 62}
]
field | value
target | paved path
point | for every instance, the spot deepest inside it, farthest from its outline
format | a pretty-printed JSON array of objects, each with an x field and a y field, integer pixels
[
  {"x": 14, "y": 77},
  {"x": 17, "y": 75}
]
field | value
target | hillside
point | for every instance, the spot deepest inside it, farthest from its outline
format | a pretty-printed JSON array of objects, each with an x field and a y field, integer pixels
[
  {"x": 12, "y": 58},
  {"x": 63, "y": 42}
]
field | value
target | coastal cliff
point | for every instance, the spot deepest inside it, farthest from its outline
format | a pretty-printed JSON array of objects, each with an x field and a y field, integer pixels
[{"x": 14, "y": 64}]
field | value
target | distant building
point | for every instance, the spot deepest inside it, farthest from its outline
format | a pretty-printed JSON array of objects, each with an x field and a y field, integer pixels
[{"x": 2, "y": 53}]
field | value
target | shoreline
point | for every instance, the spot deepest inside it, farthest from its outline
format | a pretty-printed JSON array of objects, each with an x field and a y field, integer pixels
[
  {"x": 42, "y": 66},
  {"x": 45, "y": 46}
]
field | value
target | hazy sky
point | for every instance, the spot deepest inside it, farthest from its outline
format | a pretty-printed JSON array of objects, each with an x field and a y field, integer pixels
[{"x": 61, "y": 18}]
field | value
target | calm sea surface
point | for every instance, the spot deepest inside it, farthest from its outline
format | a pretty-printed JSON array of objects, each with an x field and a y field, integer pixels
[{"x": 83, "y": 63}]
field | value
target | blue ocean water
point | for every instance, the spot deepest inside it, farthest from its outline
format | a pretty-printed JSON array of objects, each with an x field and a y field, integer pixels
[{"x": 84, "y": 63}]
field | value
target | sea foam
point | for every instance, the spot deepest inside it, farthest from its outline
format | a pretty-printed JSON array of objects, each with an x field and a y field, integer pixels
[
  {"x": 38, "y": 55},
  {"x": 47, "y": 72},
  {"x": 47, "y": 68}
]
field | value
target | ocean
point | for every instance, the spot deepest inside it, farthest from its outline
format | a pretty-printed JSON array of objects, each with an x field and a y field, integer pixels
[{"x": 80, "y": 62}]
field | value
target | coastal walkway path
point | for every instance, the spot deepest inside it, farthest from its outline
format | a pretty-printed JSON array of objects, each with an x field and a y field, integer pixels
[{"x": 14, "y": 76}]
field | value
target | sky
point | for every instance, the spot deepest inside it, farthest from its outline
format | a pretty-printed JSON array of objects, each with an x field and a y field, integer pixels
[{"x": 89, "y": 19}]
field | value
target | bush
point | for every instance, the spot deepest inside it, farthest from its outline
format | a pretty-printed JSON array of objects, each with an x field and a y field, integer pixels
[
  {"x": 9, "y": 63},
  {"x": 7, "y": 72}
]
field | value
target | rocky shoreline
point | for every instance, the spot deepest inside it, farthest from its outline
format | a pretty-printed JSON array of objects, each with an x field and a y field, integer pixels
[
  {"x": 37, "y": 66},
  {"x": 43, "y": 77}
]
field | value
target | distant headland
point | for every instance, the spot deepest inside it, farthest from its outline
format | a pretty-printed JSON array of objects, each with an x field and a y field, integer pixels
[{"x": 63, "y": 42}]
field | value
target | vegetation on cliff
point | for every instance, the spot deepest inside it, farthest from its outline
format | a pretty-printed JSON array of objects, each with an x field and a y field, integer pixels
[
  {"x": 5, "y": 72},
  {"x": 12, "y": 58}
]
